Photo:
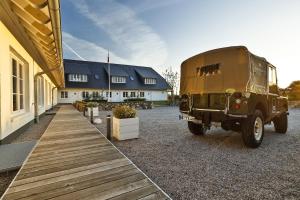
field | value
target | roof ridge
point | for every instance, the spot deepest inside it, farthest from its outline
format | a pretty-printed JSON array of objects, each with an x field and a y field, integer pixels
[{"x": 97, "y": 62}]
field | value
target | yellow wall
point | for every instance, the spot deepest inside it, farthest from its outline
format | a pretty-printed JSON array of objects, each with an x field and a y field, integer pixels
[{"x": 10, "y": 121}]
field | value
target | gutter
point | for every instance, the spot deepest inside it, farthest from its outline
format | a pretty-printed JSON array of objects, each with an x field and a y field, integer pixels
[
  {"x": 54, "y": 11},
  {"x": 52, "y": 96}
]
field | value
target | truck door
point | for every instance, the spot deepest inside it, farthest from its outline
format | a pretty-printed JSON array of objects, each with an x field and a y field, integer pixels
[{"x": 272, "y": 91}]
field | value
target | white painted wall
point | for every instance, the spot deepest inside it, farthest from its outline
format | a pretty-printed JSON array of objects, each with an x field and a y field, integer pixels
[
  {"x": 11, "y": 121},
  {"x": 117, "y": 95},
  {"x": 73, "y": 95},
  {"x": 156, "y": 95}
]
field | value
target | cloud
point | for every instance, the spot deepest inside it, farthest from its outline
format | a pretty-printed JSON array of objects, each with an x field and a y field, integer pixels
[
  {"x": 87, "y": 50},
  {"x": 126, "y": 30},
  {"x": 149, "y": 5}
]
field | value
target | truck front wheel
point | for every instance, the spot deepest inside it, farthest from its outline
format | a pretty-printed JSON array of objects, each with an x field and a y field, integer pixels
[
  {"x": 253, "y": 129},
  {"x": 196, "y": 129},
  {"x": 281, "y": 123}
]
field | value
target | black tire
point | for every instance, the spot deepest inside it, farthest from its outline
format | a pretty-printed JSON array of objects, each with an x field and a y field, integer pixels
[
  {"x": 248, "y": 129},
  {"x": 281, "y": 123},
  {"x": 226, "y": 126},
  {"x": 196, "y": 129}
]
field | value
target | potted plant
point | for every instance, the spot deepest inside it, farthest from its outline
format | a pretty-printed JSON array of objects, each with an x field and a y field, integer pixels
[
  {"x": 92, "y": 106},
  {"x": 125, "y": 123}
]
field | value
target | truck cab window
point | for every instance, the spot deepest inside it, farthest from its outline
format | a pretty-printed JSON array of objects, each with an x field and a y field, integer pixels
[{"x": 272, "y": 80}]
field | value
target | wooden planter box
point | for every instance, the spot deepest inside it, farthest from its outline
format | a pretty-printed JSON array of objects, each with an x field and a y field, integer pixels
[
  {"x": 95, "y": 111},
  {"x": 124, "y": 129}
]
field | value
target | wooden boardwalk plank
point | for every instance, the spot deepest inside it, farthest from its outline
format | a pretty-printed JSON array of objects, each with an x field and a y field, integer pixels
[
  {"x": 38, "y": 155},
  {"x": 88, "y": 169},
  {"x": 75, "y": 164},
  {"x": 138, "y": 193},
  {"x": 73, "y": 160}
]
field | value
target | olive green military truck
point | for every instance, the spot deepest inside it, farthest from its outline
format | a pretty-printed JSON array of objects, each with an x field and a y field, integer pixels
[{"x": 232, "y": 88}]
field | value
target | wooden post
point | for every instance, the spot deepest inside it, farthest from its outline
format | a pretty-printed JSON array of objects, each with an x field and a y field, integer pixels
[
  {"x": 173, "y": 97},
  {"x": 108, "y": 126},
  {"x": 92, "y": 120}
]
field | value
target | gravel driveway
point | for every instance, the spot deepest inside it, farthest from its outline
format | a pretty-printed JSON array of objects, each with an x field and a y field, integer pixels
[{"x": 217, "y": 165}]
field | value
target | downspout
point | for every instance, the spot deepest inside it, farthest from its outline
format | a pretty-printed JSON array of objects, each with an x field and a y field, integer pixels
[
  {"x": 0, "y": 110},
  {"x": 36, "y": 114},
  {"x": 52, "y": 96}
]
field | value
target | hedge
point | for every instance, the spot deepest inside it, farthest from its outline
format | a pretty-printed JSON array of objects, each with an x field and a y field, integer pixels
[{"x": 134, "y": 99}]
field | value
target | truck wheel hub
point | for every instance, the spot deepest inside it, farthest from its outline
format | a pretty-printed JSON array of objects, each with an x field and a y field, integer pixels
[{"x": 258, "y": 128}]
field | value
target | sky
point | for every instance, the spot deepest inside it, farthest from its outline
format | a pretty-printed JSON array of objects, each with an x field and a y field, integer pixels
[{"x": 163, "y": 33}]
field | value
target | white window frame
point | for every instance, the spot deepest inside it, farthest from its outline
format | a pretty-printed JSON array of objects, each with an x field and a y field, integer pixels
[
  {"x": 133, "y": 95},
  {"x": 142, "y": 95},
  {"x": 46, "y": 92},
  {"x": 40, "y": 90},
  {"x": 95, "y": 94},
  {"x": 150, "y": 81},
  {"x": 20, "y": 90},
  {"x": 49, "y": 93},
  {"x": 110, "y": 94},
  {"x": 85, "y": 94},
  {"x": 77, "y": 78},
  {"x": 64, "y": 94},
  {"x": 118, "y": 79},
  {"x": 125, "y": 94}
]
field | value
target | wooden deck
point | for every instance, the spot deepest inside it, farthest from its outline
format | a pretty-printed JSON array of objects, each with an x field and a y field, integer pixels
[{"x": 73, "y": 160}]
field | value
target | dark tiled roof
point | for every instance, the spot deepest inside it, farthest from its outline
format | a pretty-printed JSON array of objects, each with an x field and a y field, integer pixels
[
  {"x": 98, "y": 76},
  {"x": 145, "y": 73},
  {"x": 77, "y": 68},
  {"x": 116, "y": 70}
]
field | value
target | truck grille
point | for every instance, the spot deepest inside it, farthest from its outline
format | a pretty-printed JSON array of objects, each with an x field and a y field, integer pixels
[{"x": 209, "y": 101}]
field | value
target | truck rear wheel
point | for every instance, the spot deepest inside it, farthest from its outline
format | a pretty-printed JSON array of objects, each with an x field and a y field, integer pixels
[
  {"x": 196, "y": 129},
  {"x": 281, "y": 123},
  {"x": 253, "y": 129},
  {"x": 226, "y": 126}
]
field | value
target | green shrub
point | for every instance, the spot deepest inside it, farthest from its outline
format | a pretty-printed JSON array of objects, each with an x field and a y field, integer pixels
[
  {"x": 102, "y": 101},
  {"x": 98, "y": 101},
  {"x": 124, "y": 111},
  {"x": 161, "y": 103},
  {"x": 92, "y": 104},
  {"x": 134, "y": 99}
]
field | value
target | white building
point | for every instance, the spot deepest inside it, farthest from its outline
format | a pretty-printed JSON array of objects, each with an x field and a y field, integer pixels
[
  {"x": 30, "y": 62},
  {"x": 86, "y": 79}
]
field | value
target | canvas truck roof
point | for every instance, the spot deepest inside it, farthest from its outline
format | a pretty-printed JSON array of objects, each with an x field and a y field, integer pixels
[{"x": 216, "y": 71}]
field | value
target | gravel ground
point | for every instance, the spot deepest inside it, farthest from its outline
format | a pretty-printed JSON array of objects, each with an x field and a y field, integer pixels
[
  {"x": 33, "y": 132},
  {"x": 5, "y": 179},
  {"x": 217, "y": 165}
]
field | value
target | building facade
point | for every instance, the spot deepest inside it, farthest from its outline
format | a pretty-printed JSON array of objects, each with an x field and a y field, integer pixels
[
  {"x": 89, "y": 80},
  {"x": 30, "y": 62}
]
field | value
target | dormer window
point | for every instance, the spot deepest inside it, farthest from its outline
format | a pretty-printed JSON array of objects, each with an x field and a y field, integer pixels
[
  {"x": 78, "y": 78},
  {"x": 150, "y": 81},
  {"x": 118, "y": 79}
]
